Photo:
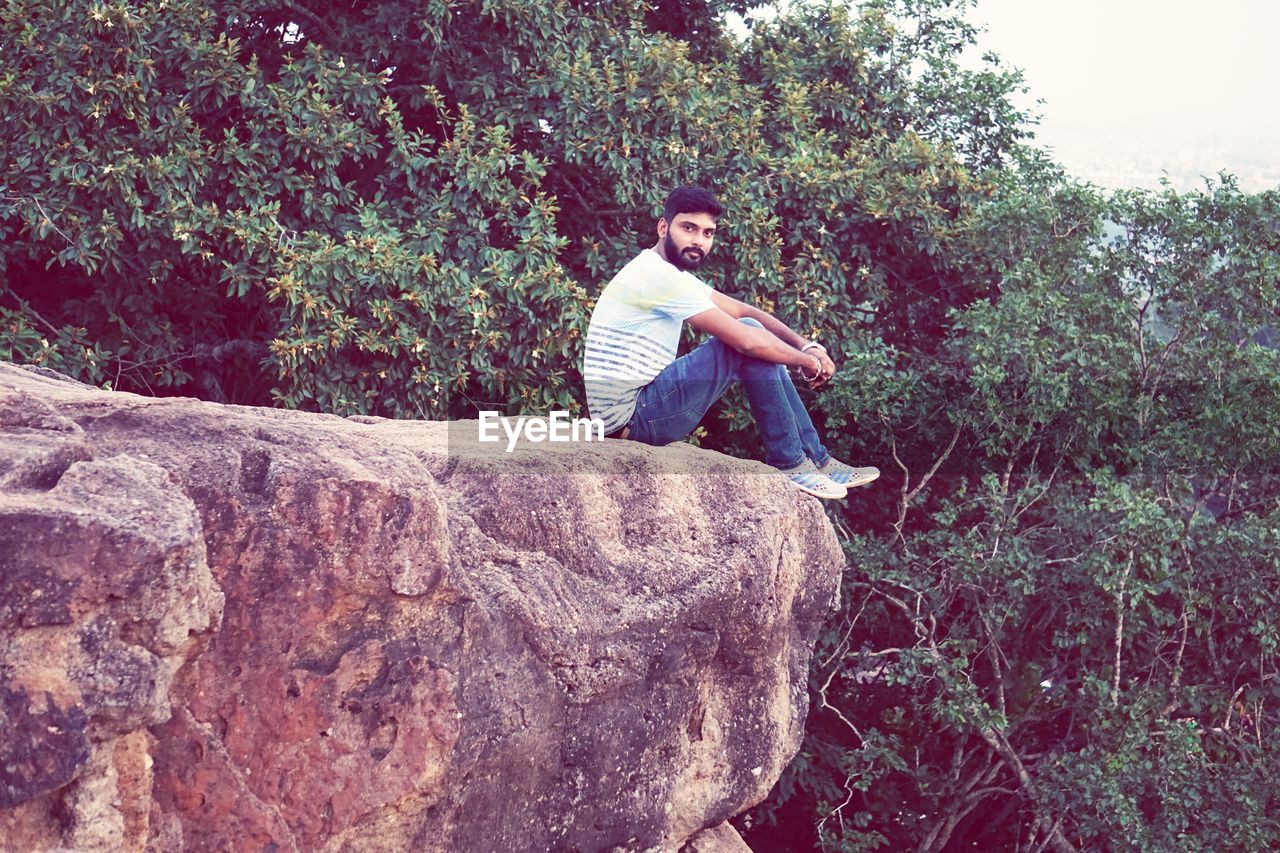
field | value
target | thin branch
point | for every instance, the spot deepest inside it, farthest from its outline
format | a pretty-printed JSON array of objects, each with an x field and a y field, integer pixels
[
  {"x": 906, "y": 482},
  {"x": 839, "y": 810},
  {"x": 1115, "y": 675},
  {"x": 25, "y": 307},
  {"x": 984, "y": 776},
  {"x": 1176, "y": 681},
  {"x": 908, "y": 496},
  {"x": 43, "y": 213},
  {"x": 1047, "y": 485},
  {"x": 936, "y": 465},
  {"x": 1053, "y": 833},
  {"x": 986, "y": 792},
  {"x": 1004, "y": 497},
  {"x": 841, "y": 646},
  {"x": 1231, "y": 705},
  {"x": 825, "y": 704},
  {"x": 997, "y": 672}
]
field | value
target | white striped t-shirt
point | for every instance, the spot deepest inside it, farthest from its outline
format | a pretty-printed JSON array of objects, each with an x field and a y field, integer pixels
[{"x": 635, "y": 333}]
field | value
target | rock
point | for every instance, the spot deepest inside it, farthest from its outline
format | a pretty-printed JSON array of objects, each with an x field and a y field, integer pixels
[
  {"x": 267, "y": 629},
  {"x": 104, "y": 584},
  {"x": 717, "y": 839}
]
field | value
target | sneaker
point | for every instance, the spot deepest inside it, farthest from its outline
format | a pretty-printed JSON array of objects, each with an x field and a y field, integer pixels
[
  {"x": 807, "y": 478},
  {"x": 846, "y": 475}
]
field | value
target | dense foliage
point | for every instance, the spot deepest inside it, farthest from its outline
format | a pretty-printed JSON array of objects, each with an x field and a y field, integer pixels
[
  {"x": 1058, "y": 624},
  {"x": 355, "y": 208}
]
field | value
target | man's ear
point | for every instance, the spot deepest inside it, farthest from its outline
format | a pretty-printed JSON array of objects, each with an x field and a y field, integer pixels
[{"x": 662, "y": 227}]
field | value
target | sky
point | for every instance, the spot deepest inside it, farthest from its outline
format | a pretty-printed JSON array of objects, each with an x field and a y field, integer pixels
[
  {"x": 1135, "y": 91},
  {"x": 1134, "y": 87}
]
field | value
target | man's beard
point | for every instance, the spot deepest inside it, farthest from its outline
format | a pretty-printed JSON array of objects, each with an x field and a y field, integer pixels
[{"x": 680, "y": 260}]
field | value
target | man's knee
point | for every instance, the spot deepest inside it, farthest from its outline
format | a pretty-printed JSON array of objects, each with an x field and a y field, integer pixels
[
  {"x": 748, "y": 364},
  {"x": 730, "y": 351},
  {"x": 756, "y": 363},
  {"x": 745, "y": 365}
]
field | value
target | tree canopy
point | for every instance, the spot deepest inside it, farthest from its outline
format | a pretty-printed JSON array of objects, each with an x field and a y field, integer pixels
[{"x": 1058, "y": 623}]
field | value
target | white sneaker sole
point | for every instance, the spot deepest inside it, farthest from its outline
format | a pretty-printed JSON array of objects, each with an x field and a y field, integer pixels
[
  {"x": 826, "y": 496},
  {"x": 862, "y": 481}
]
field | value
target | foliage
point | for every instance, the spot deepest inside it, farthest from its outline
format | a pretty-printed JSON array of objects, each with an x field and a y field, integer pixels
[
  {"x": 404, "y": 210},
  {"x": 1061, "y": 632},
  {"x": 1057, "y": 623}
]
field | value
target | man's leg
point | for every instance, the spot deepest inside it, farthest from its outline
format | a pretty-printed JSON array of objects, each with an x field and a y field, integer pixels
[
  {"x": 669, "y": 407},
  {"x": 839, "y": 472},
  {"x": 809, "y": 439}
]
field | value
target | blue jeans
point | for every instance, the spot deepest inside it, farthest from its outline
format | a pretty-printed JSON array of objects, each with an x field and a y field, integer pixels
[{"x": 669, "y": 407}]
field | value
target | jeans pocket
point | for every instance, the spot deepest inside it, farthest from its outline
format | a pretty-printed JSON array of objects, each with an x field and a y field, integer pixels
[{"x": 669, "y": 428}]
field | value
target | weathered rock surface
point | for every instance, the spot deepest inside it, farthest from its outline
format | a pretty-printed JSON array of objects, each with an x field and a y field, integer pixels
[{"x": 233, "y": 628}]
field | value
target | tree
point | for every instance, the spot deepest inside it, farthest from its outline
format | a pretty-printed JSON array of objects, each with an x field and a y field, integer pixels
[
  {"x": 1057, "y": 631},
  {"x": 1063, "y": 633},
  {"x": 406, "y": 209}
]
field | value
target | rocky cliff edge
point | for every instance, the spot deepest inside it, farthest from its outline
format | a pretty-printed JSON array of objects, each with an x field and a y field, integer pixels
[{"x": 234, "y": 628}]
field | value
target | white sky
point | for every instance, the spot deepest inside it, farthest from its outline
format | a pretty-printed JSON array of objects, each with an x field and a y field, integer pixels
[
  {"x": 1133, "y": 86},
  {"x": 1137, "y": 89}
]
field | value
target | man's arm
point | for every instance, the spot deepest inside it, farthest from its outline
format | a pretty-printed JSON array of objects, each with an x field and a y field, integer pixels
[
  {"x": 753, "y": 341},
  {"x": 736, "y": 309}
]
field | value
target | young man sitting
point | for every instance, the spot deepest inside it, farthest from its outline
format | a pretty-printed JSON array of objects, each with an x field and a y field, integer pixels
[{"x": 641, "y": 391}]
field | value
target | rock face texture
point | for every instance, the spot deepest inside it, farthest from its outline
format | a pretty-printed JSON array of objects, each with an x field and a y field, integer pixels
[{"x": 233, "y": 628}]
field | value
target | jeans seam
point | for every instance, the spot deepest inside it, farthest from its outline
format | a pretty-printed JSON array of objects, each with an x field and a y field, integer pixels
[{"x": 680, "y": 414}]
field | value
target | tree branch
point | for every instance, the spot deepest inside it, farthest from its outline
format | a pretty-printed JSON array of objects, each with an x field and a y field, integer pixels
[
  {"x": 26, "y": 308},
  {"x": 908, "y": 496},
  {"x": 1115, "y": 675}
]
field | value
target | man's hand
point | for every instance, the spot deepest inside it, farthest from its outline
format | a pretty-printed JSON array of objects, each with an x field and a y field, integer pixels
[{"x": 825, "y": 372}]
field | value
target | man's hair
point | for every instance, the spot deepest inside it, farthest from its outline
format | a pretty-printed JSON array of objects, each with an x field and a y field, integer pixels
[{"x": 690, "y": 200}]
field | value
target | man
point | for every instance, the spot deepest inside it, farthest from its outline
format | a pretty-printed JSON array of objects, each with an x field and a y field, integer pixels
[{"x": 638, "y": 387}]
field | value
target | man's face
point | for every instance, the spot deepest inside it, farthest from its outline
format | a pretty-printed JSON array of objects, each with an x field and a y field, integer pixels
[{"x": 687, "y": 238}]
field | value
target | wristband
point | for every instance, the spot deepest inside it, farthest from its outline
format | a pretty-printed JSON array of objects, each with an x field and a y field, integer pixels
[
  {"x": 816, "y": 374},
  {"x": 807, "y": 347}
]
